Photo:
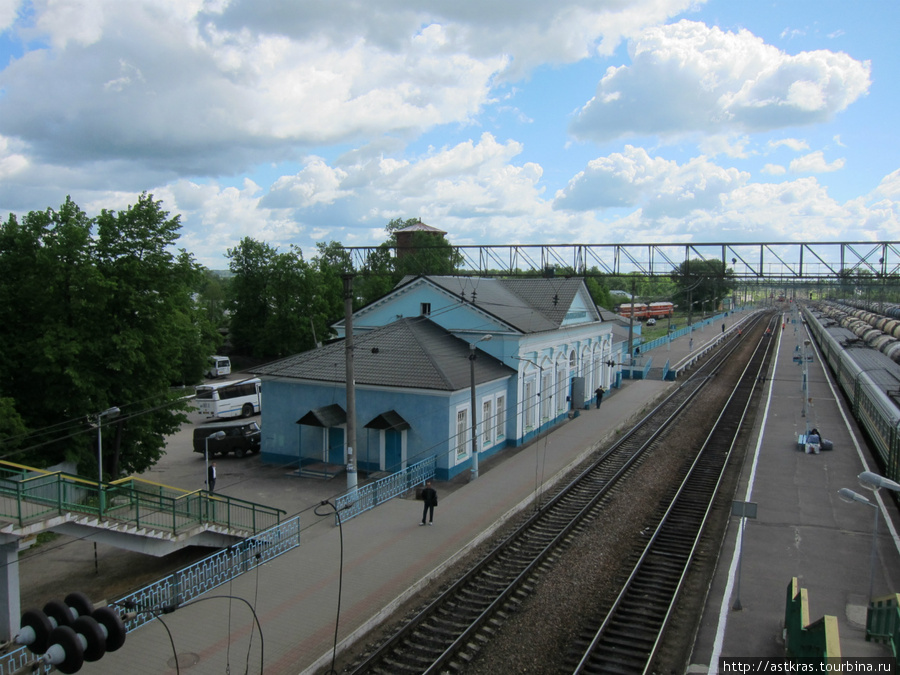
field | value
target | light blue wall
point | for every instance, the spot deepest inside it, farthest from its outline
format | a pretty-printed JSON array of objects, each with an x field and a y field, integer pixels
[
  {"x": 431, "y": 417},
  {"x": 445, "y": 311}
]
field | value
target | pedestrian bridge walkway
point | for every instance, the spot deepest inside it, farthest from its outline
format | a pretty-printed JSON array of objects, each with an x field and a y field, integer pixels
[{"x": 129, "y": 513}]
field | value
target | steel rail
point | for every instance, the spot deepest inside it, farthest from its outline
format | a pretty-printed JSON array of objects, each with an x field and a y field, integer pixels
[
  {"x": 651, "y": 586},
  {"x": 449, "y": 623}
]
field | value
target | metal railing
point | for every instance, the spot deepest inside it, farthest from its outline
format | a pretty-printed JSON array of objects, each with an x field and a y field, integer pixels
[
  {"x": 29, "y": 495},
  {"x": 184, "y": 585},
  {"x": 215, "y": 570},
  {"x": 883, "y": 622},
  {"x": 371, "y": 495}
]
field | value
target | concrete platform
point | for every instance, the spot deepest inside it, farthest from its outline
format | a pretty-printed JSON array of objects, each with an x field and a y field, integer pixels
[{"x": 802, "y": 530}]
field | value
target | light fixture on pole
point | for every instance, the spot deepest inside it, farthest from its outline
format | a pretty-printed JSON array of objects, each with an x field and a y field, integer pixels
[
  {"x": 109, "y": 412},
  {"x": 483, "y": 338},
  {"x": 874, "y": 482},
  {"x": 219, "y": 435}
]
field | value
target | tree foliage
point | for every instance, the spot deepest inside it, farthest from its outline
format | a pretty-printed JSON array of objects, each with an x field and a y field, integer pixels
[
  {"x": 702, "y": 283},
  {"x": 280, "y": 303},
  {"x": 98, "y": 313},
  {"x": 423, "y": 253}
]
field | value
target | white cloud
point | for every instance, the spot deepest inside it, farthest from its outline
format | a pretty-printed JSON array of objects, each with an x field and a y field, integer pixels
[
  {"x": 815, "y": 162},
  {"x": 9, "y": 10},
  {"x": 774, "y": 169},
  {"x": 687, "y": 77},
  {"x": 196, "y": 87},
  {"x": 795, "y": 144},
  {"x": 659, "y": 186},
  {"x": 890, "y": 186},
  {"x": 725, "y": 144}
]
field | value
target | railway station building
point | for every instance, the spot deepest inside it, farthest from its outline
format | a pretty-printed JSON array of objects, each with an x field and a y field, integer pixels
[{"x": 541, "y": 348}]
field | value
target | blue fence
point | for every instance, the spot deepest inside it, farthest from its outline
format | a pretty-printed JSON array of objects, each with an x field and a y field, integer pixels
[{"x": 371, "y": 495}]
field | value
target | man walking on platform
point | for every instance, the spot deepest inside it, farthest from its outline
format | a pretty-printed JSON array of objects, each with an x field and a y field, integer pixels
[
  {"x": 598, "y": 392},
  {"x": 429, "y": 496}
]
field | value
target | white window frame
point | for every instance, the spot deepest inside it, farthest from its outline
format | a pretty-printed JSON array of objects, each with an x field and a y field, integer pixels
[
  {"x": 462, "y": 433},
  {"x": 500, "y": 418},
  {"x": 562, "y": 385},
  {"x": 532, "y": 407},
  {"x": 546, "y": 395}
]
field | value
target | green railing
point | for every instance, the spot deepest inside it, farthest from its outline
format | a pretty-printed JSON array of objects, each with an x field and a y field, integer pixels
[
  {"x": 29, "y": 495},
  {"x": 811, "y": 642},
  {"x": 883, "y": 622}
]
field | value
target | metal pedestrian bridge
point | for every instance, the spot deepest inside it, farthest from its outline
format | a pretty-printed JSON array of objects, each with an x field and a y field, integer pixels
[{"x": 129, "y": 513}]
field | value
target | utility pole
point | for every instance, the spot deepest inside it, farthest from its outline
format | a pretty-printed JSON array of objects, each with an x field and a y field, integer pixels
[
  {"x": 631, "y": 326},
  {"x": 350, "y": 436}
]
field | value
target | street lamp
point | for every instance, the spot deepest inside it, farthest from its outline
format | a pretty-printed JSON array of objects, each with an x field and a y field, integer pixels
[
  {"x": 109, "y": 412},
  {"x": 874, "y": 482},
  {"x": 219, "y": 435},
  {"x": 483, "y": 338}
]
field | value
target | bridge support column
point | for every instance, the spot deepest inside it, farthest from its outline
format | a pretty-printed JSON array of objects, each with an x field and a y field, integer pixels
[{"x": 10, "y": 606}]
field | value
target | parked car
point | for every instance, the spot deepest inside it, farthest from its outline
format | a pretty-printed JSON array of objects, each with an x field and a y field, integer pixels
[
  {"x": 239, "y": 438},
  {"x": 651, "y": 322}
]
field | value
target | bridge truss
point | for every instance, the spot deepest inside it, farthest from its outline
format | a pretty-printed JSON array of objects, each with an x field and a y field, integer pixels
[{"x": 770, "y": 261}]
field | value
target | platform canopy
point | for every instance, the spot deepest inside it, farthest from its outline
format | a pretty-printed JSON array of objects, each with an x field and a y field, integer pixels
[
  {"x": 327, "y": 416},
  {"x": 388, "y": 420}
]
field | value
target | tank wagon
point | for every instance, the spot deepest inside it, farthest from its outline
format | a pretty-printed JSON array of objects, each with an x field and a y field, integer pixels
[
  {"x": 868, "y": 381},
  {"x": 877, "y": 331}
]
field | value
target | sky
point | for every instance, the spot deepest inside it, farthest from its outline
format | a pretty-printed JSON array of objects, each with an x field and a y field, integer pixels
[{"x": 530, "y": 122}]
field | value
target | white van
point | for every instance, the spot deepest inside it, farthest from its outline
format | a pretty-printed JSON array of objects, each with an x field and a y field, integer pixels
[{"x": 219, "y": 366}]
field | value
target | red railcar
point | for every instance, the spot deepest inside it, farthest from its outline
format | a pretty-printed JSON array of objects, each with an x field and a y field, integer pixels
[
  {"x": 638, "y": 309},
  {"x": 660, "y": 310}
]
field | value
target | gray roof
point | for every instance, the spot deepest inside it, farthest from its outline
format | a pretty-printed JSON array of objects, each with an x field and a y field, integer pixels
[
  {"x": 530, "y": 305},
  {"x": 420, "y": 227},
  {"x": 412, "y": 353},
  {"x": 327, "y": 416}
]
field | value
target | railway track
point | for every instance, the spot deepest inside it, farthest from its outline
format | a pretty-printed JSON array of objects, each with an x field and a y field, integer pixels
[
  {"x": 449, "y": 631},
  {"x": 630, "y": 632}
]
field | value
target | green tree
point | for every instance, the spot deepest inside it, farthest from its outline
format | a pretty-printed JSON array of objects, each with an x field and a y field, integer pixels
[
  {"x": 280, "y": 303},
  {"x": 701, "y": 283},
  {"x": 252, "y": 263},
  {"x": 425, "y": 253},
  {"x": 212, "y": 297},
  {"x": 92, "y": 320}
]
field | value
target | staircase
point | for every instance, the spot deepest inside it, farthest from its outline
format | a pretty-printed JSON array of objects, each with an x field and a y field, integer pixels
[{"x": 131, "y": 513}]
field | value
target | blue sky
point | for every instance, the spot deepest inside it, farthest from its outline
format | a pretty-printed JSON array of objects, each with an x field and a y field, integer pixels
[{"x": 577, "y": 121}]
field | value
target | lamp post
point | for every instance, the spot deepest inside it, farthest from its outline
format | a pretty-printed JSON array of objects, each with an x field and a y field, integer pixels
[
  {"x": 483, "y": 338},
  {"x": 109, "y": 412},
  {"x": 219, "y": 435},
  {"x": 873, "y": 482}
]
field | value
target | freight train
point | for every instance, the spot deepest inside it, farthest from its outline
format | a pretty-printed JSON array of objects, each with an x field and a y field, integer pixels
[
  {"x": 870, "y": 389},
  {"x": 878, "y": 331}
]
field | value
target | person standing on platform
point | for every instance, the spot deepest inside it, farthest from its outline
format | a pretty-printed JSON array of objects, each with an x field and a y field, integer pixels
[
  {"x": 598, "y": 392},
  {"x": 211, "y": 477},
  {"x": 429, "y": 496},
  {"x": 691, "y": 345}
]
